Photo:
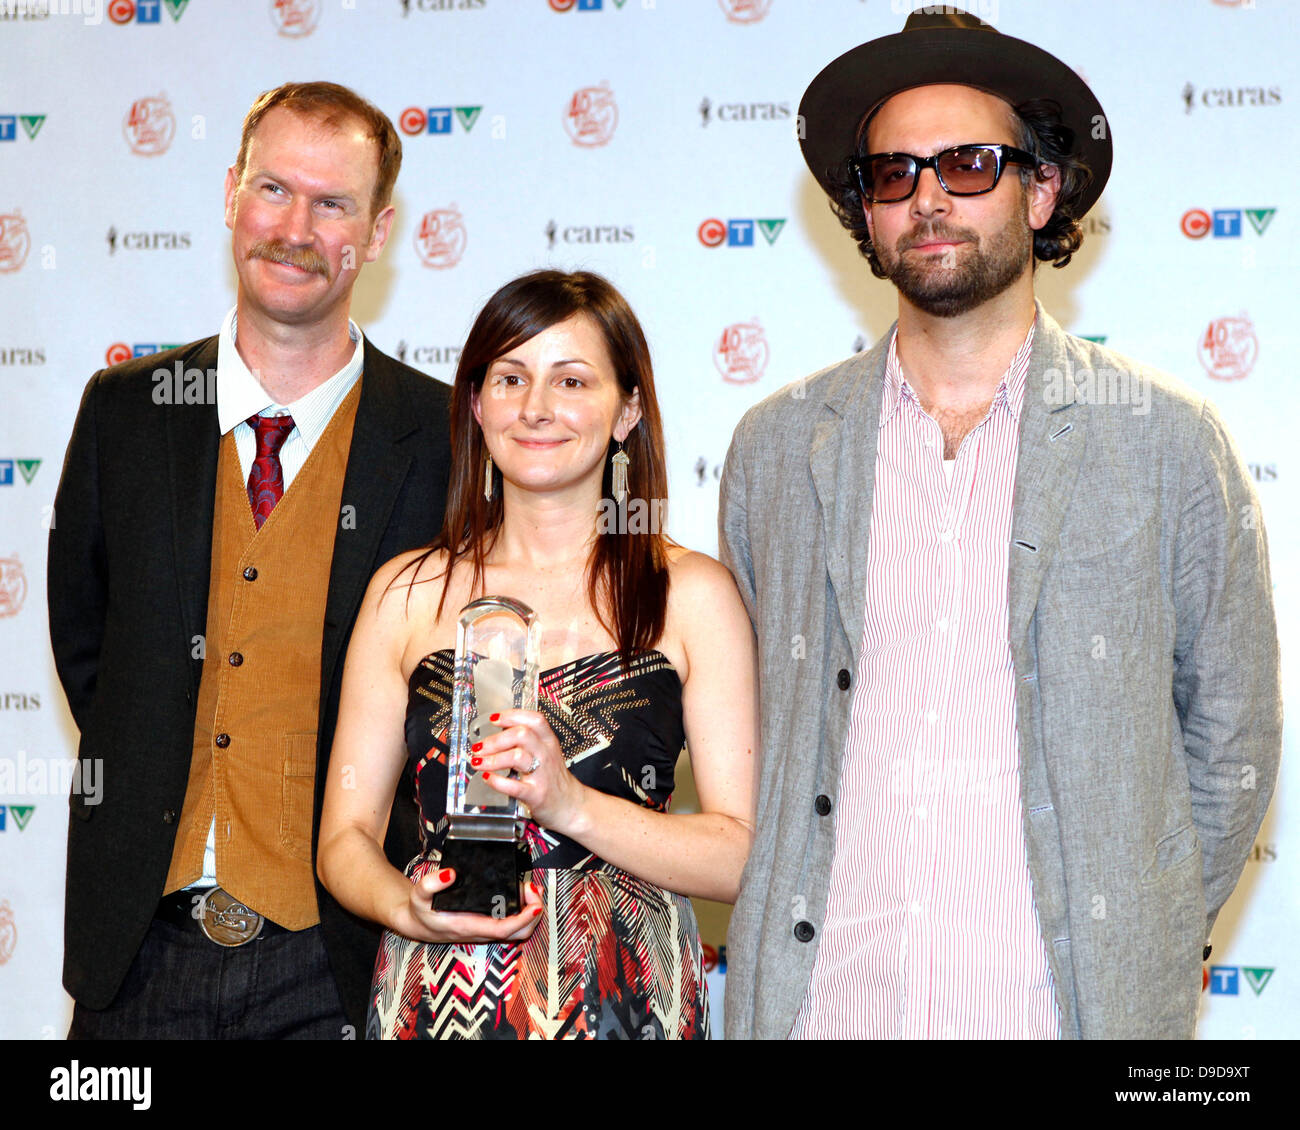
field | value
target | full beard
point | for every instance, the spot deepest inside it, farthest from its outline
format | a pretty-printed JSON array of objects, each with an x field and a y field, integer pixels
[{"x": 948, "y": 285}]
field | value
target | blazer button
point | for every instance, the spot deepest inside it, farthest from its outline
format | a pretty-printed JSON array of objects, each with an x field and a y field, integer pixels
[
  {"x": 222, "y": 740},
  {"x": 822, "y": 805},
  {"x": 804, "y": 931},
  {"x": 250, "y": 574},
  {"x": 842, "y": 679},
  {"x": 169, "y": 816},
  {"x": 236, "y": 659}
]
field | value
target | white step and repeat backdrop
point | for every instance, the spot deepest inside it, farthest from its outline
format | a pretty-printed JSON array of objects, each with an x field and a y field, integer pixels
[{"x": 654, "y": 141}]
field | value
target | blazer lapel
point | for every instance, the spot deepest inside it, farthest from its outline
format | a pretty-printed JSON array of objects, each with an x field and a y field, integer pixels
[
  {"x": 843, "y": 465},
  {"x": 377, "y": 467},
  {"x": 193, "y": 443},
  {"x": 1051, "y": 451}
]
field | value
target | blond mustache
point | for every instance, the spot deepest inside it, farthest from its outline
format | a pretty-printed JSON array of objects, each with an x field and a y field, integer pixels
[{"x": 304, "y": 258}]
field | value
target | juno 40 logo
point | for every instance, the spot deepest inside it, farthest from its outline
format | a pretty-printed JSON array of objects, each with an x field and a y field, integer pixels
[
  {"x": 741, "y": 353},
  {"x": 144, "y": 11},
  {"x": 13, "y": 586},
  {"x": 295, "y": 18},
  {"x": 149, "y": 126},
  {"x": 1228, "y": 348},
  {"x": 440, "y": 238},
  {"x": 15, "y": 241},
  {"x": 591, "y": 116},
  {"x": 745, "y": 11}
]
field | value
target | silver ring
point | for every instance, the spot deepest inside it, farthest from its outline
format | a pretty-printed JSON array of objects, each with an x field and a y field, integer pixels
[{"x": 537, "y": 761}]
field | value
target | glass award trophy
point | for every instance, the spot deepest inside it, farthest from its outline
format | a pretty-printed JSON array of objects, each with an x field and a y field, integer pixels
[{"x": 498, "y": 643}]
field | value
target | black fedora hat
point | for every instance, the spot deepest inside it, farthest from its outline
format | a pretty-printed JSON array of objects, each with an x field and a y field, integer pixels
[{"x": 949, "y": 47}]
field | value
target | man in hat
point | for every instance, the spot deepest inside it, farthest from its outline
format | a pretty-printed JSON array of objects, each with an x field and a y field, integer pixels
[{"x": 1021, "y": 715}]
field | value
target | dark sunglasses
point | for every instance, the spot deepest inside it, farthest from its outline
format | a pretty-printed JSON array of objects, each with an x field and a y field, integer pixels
[{"x": 964, "y": 170}]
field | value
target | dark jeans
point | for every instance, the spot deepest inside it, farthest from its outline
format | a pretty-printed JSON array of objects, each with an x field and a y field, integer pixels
[{"x": 182, "y": 986}]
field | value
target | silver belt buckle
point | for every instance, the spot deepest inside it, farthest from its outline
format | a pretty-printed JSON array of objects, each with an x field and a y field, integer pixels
[{"x": 227, "y": 921}]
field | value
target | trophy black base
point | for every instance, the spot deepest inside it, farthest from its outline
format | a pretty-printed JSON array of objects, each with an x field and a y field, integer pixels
[{"x": 488, "y": 876}]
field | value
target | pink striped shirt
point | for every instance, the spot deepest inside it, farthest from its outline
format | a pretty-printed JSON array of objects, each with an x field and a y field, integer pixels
[{"x": 930, "y": 928}]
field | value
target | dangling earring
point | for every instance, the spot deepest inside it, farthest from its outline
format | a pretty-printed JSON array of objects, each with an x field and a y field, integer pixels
[
  {"x": 487, "y": 478},
  {"x": 618, "y": 478}
]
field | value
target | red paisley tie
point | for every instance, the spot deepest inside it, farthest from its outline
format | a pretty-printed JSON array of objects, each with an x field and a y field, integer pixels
[{"x": 266, "y": 479}]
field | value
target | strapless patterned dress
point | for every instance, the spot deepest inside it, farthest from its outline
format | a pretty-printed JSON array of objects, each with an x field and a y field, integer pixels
[{"x": 612, "y": 957}]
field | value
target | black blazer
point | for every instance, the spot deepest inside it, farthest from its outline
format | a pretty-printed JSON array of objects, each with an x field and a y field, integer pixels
[{"x": 129, "y": 558}]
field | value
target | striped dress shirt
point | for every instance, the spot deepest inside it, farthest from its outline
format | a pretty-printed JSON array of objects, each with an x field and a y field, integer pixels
[{"x": 930, "y": 928}]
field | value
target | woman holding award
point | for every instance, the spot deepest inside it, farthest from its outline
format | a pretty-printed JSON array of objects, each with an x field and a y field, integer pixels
[{"x": 558, "y": 487}]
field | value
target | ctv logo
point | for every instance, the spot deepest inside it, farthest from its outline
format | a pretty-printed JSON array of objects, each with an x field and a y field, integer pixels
[
  {"x": 31, "y": 124},
  {"x": 437, "y": 119},
  {"x": 1224, "y": 223},
  {"x": 144, "y": 11},
  {"x": 119, "y": 351},
  {"x": 26, "y": 467},
  {"x": 1225, "y": 980},
  {"x": 21, "y": 814},
  {"x": 738, "y": 233},
  {"x": 582, "y": 5}
]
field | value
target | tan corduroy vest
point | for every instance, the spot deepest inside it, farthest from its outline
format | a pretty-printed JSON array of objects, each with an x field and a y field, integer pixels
[{"x": 254, "y": 763}]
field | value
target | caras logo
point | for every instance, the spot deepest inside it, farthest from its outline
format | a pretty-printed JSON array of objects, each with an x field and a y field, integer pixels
[
  {"x": 440, "y": 238},
  {"x": 741, "y": 353},
  {"x": 591, "y": 116},
  {"x": 149, "y": 126}
]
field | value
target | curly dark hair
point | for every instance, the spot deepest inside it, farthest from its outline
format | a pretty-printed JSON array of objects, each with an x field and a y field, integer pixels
[{"x": 1043, "y": 133}]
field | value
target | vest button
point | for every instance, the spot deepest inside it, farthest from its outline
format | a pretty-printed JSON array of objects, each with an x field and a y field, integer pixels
[
  {"x": 822, "y": 805},
  {"x": 222, "y": 740},
  {"x": 169, "y": 816},
  {"x": 804, "y": 931},
  {"x": 842, "y": 679},
  {"x": 250, "y": 574},
  {"x": 236, "y": 659}
]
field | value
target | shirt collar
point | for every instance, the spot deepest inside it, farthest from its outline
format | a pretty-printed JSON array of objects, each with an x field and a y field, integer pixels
[
  {"x": 241, "y": 395},
  {"x": 1010, "y": 393}
]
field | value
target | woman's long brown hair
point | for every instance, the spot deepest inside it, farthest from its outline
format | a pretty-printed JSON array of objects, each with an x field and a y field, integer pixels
[{"x": 627, "y": 574}]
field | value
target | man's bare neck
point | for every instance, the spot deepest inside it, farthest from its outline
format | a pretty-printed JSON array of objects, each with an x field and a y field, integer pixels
[
  {"x": 955, "y": 364},
  {"x": 291, "y": 361}
]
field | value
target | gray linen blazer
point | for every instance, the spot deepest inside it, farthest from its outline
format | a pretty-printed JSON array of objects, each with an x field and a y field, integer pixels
[{"x": 1142, "y": 632}]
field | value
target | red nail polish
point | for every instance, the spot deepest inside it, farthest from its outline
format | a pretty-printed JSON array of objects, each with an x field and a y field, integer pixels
[
  {"x": 536, "y": 911},
  {"x": 486, "y": 774},
  {"x": 476, "y": 747},
  {"x": 493, "y": 717},
  {"x": 444, "y": 876},
  {"x": 476, "y": 761}
]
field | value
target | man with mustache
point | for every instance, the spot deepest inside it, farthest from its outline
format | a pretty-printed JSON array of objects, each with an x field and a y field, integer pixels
[
  {"x": 1021, "y": 714},
  {"x": 206, "y": 563}
]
